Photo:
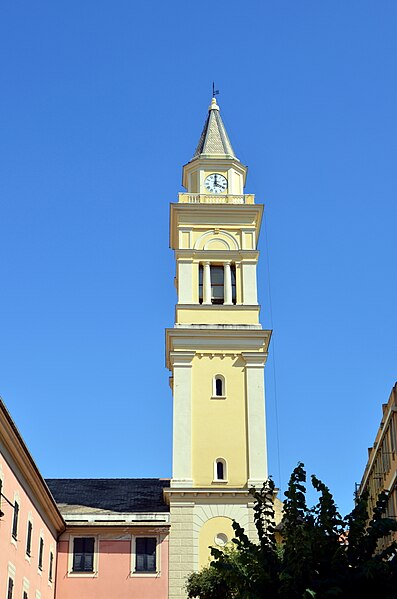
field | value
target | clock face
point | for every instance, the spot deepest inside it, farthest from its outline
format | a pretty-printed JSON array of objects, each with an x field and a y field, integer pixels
[{"x": 215, "y": 183}]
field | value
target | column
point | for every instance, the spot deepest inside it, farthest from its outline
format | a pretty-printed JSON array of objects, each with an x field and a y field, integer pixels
[
  {"x": 206, "y": 283},
  {"x": 256, "y": 427},
  {"x": 182, "y": 429},
  {"x": 227, "y": 283}
]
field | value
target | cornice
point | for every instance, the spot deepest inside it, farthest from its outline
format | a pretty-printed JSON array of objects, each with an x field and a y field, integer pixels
[
  {"x": 15, "y": 445},
  {"x": 210, "y": 341},
  {"x": 200, "y": 495},
  {"x": 243, "y": 256}
]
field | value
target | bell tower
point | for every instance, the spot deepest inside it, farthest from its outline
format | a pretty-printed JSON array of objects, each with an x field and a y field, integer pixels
[{"x": 216, "y": 353}]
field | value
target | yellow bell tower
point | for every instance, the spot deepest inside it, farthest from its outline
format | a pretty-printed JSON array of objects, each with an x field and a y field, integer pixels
[{"x": 216, "y": 353}]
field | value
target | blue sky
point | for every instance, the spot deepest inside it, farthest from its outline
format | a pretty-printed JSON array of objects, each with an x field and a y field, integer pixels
[{"x": 101, "y": 104}]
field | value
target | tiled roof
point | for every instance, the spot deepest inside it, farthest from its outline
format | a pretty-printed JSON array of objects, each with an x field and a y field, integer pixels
[
  {"x": 214, "y": 140},
  {"x": 108, "y": 495}
]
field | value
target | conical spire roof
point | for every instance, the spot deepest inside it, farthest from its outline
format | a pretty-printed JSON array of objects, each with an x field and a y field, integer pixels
[{"x": 214, "y": 140}]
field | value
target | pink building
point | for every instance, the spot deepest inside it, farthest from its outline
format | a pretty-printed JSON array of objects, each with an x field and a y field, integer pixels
[
  {"x": 30, "y": 522},
  {"x": 86, "y": 538},
  {"x": 116, "y": 540}
]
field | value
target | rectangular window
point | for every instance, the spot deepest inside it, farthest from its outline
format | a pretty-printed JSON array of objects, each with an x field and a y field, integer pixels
[
  {"x": 10, "y": 588},
  {"x": 29, "y": 539},
  {"x": 201, "y": 283},
  {"x": 41, "y": 549},
  {"x": 83, "y": 554},
  {"x": 217, "y": 293},
  {"x": 145, "y": 554},
  {"x": 51, "y": 566},
  {"x": 233, "y": 274},
  {"x": 15, "y": 520}
]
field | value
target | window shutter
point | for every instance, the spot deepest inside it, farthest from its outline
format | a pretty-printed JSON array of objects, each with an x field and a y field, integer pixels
[
  {"x": 151, "y": 554},
  {"x": 89, "y": 555},
  {"x": 41, "y": 548},
  {"x": 29, "y": 539},
  {"x": 51, "y": 566},
  {"x": 10, "y": 588},
  {"x": 15, "y": 520},
  {"x": 78, "y": 553},
  {"x": 140, "y": 554}
]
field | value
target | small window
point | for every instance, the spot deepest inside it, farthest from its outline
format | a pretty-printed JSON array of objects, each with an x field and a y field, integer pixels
[
  {"x": 10, "y": 588},
  {"x": 220, "y": 469},
  {"x": 41, "y": 550},
  {"x": 29, "y": 539},
  {"x": 51, "y": 566},
  {"x": 145, "y": 554},
  {"x": 218, "y": 386},
  {"x": 83, "y": 554},
  {"x": 15, "y": 520}
]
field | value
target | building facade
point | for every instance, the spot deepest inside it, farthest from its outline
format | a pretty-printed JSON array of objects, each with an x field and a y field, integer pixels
[
  {"x": 380, "y": 473},
  {"x": 30, "y": 522},
  {"x": 125, "y": 538}
]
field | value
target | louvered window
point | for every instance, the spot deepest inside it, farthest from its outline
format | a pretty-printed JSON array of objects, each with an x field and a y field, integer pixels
[
  {"x": 145, "y": 553},
  {"x": 83, "y": 554},
  {"x": 29, "y": 539},
  {"x": 15, "y": 520},
  {"x": 10, "y": 588},
  {"x": 51, "y": 566},
  {"x": 41, "y": 549}
]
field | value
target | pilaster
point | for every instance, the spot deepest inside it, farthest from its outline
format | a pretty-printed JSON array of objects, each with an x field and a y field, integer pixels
[
  {"x": 182, "y": 448},
  {"x": 256, "y": 428}
]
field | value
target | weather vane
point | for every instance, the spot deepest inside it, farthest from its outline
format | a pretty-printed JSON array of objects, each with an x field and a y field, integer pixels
[{"x": 215, "y": 92}]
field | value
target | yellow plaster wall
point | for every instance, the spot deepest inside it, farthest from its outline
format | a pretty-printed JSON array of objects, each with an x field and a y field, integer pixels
[
  {"x": 208, "y": 531},
  {"x": 200, "y": 314},
  {"x": 219, "y": 425}
]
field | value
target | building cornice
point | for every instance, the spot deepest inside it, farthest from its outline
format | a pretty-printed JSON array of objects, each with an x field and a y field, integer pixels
[
  {"x": 214, "y": 340},
  {"x": 246, "y": 256},
  {"x": 16, "y": 447},
  {"x": 194, "y": 495}
]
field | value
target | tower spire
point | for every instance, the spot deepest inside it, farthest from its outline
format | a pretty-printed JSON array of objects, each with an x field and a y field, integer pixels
[{"x": 214, "y": 140}]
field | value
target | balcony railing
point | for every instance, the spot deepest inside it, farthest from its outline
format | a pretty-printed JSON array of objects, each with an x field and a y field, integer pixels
[{"x": 206, "y": 198}]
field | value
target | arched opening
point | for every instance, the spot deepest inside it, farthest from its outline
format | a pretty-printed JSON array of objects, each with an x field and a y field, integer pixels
[
  {"x": 220, "y": 469},
  {"x": 218, "y": 386}
]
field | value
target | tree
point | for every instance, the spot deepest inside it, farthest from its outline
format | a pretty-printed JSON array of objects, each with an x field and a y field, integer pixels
[{"x": 322, "y": 555}]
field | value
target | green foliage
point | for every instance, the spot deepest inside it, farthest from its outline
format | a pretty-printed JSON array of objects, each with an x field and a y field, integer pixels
[{"x": 322, "y": 555}]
